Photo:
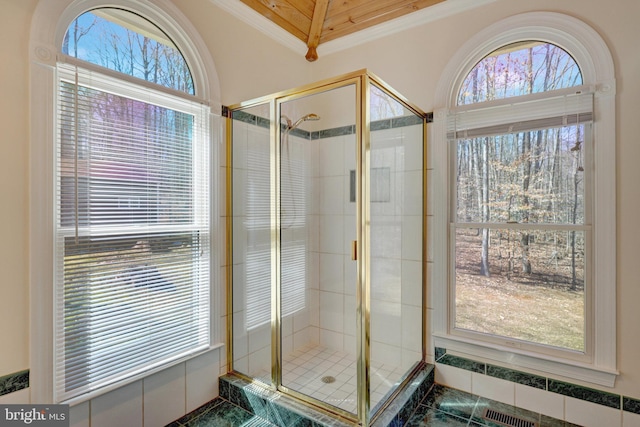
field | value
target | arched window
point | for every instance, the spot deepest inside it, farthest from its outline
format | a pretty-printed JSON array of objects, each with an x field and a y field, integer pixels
[
  {"x": 521, "y": 228},
  {"x": 131, "y": 204},
  {"x": 522, "y": 272}
]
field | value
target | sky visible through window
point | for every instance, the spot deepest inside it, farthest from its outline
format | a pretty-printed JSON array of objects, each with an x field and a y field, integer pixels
[
  {"x": 519, "y": 69},
  {"x": 127, "y": 43}
]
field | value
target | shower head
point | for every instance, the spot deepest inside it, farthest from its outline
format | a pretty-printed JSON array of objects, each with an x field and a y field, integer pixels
[{"x": 309, "y": 117}]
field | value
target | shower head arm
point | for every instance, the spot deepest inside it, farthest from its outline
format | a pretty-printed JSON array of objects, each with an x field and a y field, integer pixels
[{"x": 308, "y": 117}]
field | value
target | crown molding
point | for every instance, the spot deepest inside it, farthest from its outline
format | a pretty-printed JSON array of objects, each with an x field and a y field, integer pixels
[{"x": 429, "y": 14}]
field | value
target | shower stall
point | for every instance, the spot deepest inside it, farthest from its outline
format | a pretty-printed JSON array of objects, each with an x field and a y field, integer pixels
[{"x": 326, "y": 261}]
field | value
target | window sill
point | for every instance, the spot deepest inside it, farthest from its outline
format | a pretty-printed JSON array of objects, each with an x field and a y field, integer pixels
[{"x": 527, "y": 360}]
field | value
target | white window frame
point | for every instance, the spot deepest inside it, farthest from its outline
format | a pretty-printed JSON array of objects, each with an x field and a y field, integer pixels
[
  {"x": 49, "y": 24},
  {"x": 592, "y": 55}
]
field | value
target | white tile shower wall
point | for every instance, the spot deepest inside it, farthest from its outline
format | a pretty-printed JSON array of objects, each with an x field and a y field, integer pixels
[
  {"x": 335, "y": 219},
  {"x": 397, "y": 246},
  {"x": 251, "y": 249},
  {"x": 329, "y": 314}
]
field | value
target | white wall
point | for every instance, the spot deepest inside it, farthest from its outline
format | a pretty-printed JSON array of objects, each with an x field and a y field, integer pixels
[{"x": 14, "y": 173}]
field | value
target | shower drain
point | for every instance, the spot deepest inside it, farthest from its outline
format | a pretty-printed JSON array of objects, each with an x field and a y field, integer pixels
[{"x": 328, "y": 379}]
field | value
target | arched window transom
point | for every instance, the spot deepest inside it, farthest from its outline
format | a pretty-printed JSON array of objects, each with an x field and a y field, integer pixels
[
  {"x": 130, "y": 44},
  {"x": 517, "y": 69}
]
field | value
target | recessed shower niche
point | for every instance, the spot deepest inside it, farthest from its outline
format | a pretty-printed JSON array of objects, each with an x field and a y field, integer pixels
[{"x": 326, "y": 225}]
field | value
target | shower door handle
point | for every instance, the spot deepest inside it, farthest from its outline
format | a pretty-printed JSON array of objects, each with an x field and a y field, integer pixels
[{"x": 354, "y": 250}]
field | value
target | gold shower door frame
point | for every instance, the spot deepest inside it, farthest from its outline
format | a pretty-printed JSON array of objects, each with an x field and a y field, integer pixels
[{"x": 362, "y": 80}]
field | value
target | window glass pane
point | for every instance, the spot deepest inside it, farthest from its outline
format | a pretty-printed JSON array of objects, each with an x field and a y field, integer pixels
[
  {"x": 127, "y": 43},
  {"x": 134, "y": 160},
  {"x": 382, "y": 106},
  {"x": 522, "y": 284},
  {"x": 132, "y": 237},
  {"x": 526, "y": 177},
  {"x": 519, "y": 69},
  {"x": 130, "y": 301}
]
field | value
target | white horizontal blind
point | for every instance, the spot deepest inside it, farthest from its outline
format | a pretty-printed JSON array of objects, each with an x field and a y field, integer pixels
[
  {"x": 132, "y": 231},
  {"x": 294, "y": 191},
  {"x": 521, "y": 114},
  {"x": 257, "y": 225}
]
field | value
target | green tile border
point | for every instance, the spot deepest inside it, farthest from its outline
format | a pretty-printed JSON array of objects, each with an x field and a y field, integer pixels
[
  {"x": 396, "y": 122},
  {"x": 463, "y": 363},
  {"x": 630, "y": 404},
  {"x": 14, "y": 382},
  {"x": 523, "y": 378},
  {"x": 584, "y": 393},
  {"x": 587, "y": 394}
]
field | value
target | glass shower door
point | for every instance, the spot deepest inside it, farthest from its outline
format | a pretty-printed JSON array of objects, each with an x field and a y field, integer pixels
[{"x": 317, "y": 226}]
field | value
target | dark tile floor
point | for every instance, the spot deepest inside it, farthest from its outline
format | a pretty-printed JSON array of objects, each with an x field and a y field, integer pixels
[
  {"x": 220, "y": 413},
  {"x": 449, "y": 407},
  {"x": 442, "y": 407}
]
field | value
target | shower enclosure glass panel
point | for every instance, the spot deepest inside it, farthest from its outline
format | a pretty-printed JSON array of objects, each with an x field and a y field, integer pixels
[
  {"x": 317, "y": 226},
  {"x": 396, "y": 205},
  {"x": 326, "y": 261},
  {"x": 252, "y": 255}
]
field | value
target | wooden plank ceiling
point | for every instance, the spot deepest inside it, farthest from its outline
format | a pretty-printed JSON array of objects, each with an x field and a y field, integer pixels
[{"x": 319, "y": 21}]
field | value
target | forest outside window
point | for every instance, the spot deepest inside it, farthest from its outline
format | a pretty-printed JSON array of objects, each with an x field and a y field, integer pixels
[{"x": 520, "y": 222}]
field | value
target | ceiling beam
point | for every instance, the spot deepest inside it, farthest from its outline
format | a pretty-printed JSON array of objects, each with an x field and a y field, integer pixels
[{"x": 319, "y": 15}]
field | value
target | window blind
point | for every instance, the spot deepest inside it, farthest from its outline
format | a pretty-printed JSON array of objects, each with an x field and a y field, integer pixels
[
  {"x": 257, "y": 225},
  {"x": 132, "y": 231},
  {"x": 521, "y": 114},
  {"x": 294, "y": 191}
]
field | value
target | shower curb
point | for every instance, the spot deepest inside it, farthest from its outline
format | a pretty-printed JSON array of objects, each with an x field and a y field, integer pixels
[
  {"x": 402, "y": 407},
  {"x": 272, "y": 406},
  {"x": 283, "y": 410}
]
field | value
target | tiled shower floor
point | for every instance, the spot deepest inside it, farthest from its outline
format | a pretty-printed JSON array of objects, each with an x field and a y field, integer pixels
[{"x": 304, "y": 370}]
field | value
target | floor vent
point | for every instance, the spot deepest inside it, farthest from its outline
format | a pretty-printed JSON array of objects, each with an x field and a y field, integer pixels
[{"x": 507, "y": 420}]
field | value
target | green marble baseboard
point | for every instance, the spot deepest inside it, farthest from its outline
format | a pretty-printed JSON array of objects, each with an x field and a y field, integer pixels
[
  {"x": 14, "y": 382},
  {"x": 599, "y": 397}
]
